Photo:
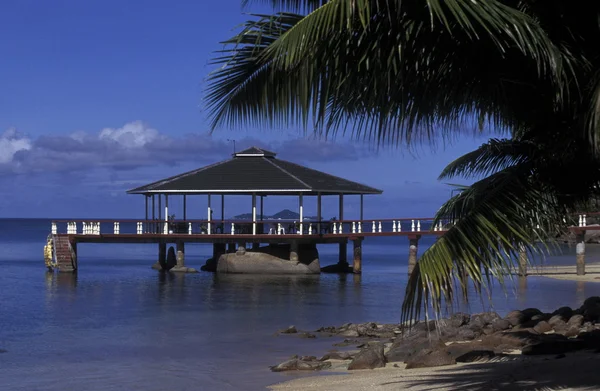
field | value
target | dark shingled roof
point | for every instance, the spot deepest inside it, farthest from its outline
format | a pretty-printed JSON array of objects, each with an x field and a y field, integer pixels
[{"x": 255, "y": 170}]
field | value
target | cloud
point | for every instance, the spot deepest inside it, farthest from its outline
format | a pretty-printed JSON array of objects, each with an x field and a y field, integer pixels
[
  {"x": 12, "y": 142},
  {"x": 137, "y": 145}
]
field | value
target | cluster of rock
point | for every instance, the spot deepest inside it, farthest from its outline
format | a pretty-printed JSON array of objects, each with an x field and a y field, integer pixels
[{"x": 460, "y": 338}]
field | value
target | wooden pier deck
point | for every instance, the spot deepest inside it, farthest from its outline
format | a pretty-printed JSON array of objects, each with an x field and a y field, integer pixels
[{"x": 68, "y": 233}]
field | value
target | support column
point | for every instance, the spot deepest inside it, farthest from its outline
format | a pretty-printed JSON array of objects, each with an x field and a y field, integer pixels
[
  {"x": 319, "y": 218},
  {"x": 580, "y": 251},
  {"x": 253, "y": 214},
  {"x": 159, "y": 207},
  {"x": 301, "y": 201},
  {"x": 184, "y": 207},
  {"x": 362, "y": 217},
  {"x": 522, "y": 262},
  {"x": 343, "y": 246},
  {"x": 153, "y": 229},
  {"x": 412, "y": 252},
  {"x": 222, "y": 208},
  {"x": 357, "y": 264},
  {"x": 294, "y": 251},
  {"x": 262, "y": 208},
  {"x": 209, "y": 218},
  {"x": 146, "y": 208}
]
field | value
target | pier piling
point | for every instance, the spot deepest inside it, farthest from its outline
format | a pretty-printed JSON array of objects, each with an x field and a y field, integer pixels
[
  {"x": 357, "y": 262},
  {"x": 580, "y": 251},
  {"x": 413, "y": 249}
]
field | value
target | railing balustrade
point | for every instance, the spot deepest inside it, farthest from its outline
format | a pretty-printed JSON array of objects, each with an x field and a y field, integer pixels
[{"x": 385, "y": 227}]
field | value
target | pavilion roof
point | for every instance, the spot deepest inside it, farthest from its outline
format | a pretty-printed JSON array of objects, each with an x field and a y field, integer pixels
[{"x": 255, "y": 170}]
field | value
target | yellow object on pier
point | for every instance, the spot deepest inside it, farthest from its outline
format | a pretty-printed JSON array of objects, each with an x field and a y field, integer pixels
[{"x": 49, "y": 253}]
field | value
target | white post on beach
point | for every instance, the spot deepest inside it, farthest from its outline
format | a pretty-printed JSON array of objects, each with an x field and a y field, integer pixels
[
  {"x": 373, "y": 229},
  {"x": 412, "y": 225},
  {"x": 233, "y": 228},
  {"x": 310, "y": 229},
  {"x": 353, "y": 227},
  {"x": 54, "y": 230},
  {"x": 334, "y": 228},
  {"x": 380, "y": 227},
  {"x": 394, "y": 226},
  {"x": 419, "y": 225},
  {"x": 189, "y": 228}
]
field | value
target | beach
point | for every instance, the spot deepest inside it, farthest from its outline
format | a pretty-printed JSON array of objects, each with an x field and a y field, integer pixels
[{"x": 575, "y": 371}]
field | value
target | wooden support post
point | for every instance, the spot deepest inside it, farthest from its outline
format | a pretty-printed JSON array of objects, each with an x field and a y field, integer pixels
[
  {"x": 180, "y": 254},
  {"x": 580, "y": 251},
  {"x": 357, "y": 264},
  {"x": 294, "y": 251},
  {"x": 522, "y": 262},
  {"x": 413, "y": 250}
]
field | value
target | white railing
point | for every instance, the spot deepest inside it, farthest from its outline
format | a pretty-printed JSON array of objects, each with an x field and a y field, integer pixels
[{"x": 384, "y": 227}]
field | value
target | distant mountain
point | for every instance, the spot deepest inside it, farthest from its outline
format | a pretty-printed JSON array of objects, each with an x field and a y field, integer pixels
[{"x": 285, "y": 214}]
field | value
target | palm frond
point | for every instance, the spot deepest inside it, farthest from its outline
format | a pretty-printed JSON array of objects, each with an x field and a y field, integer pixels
[
  {"x": 491, "y": 157},
  {"x": 495, "y": 218},
  {"x": 299, "y": 6},
  {"x": 384, "y": 74}
]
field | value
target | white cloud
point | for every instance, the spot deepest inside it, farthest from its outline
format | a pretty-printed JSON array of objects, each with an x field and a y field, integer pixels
[
  {"x": 133, "y": 135},
  {"x": 10, "y": 143}
]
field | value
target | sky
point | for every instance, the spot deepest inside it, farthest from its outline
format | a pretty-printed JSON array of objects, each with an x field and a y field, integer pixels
[{"x": 98, "y": 97}]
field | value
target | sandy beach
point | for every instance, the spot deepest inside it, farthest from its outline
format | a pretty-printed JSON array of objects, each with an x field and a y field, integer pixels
[{"x": 574, "y": 371}]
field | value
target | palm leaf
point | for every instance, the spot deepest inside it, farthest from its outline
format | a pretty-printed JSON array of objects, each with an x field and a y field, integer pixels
[
  {"x": 495, "y": 219},
  {"x": 491, "y": 157}
]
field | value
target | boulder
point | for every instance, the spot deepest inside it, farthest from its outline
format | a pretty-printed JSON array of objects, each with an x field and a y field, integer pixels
[
  {"x": 515, "y": 318},
  {"x": 430, "y": 358},
  {"x": 272, "y": 259},
  {"x": 369, "y": 358},
  {"x": 306, "y": 335},
  {"x": 500, "y": 324},
  {"x": 575, "y": 320},
  {"x": 459, "y": 319},
  {"x": 564, "y": 312},
  {"x": 476, "y": 355},
  {"x": 466, "y": 334},
  {"x": 289, "y": 330},
  {"x": 336, "y": 356},
  {"x": 402, "y": 349},
  {"x": 296, "y": 364},
  {"x": 543, "y": 327}
]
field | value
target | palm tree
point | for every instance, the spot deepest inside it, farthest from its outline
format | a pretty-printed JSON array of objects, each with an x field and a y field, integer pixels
[{"x": 404, "y": 71}]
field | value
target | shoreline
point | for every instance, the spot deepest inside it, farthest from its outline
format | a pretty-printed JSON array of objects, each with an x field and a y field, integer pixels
[
  {"x": 526, "y": 349},
  {"x": 573, "y": 371}
]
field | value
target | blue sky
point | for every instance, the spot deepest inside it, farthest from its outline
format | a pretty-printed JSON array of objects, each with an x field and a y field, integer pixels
[{"x": 101, "y": 96}]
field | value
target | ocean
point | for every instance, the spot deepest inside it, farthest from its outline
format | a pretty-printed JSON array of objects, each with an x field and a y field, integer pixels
[{"x": 119, "y": 325}]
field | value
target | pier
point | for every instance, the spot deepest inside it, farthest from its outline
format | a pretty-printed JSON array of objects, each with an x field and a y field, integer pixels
[{"x": 257, "y": 174}]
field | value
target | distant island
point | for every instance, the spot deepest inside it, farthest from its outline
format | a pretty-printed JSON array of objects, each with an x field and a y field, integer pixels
[{"x": 285, "y": 214}]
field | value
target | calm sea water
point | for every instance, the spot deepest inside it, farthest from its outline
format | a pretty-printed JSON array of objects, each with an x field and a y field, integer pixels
[{"x": 118, "y": 325}]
